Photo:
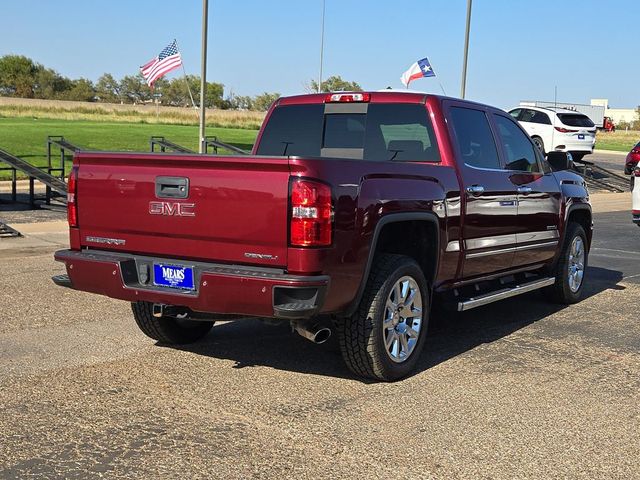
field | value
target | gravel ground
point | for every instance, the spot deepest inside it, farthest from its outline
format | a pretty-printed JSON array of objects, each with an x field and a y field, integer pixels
[{"x": 517, "y": 389}]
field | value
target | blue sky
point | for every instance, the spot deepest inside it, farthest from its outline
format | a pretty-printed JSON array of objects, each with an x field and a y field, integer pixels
[{"x": 519, "y": 49}]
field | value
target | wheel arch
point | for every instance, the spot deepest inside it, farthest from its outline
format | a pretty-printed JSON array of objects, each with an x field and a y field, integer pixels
[
  {"x": 581, "y": 214},
  {"x": 423, "y": 245}
]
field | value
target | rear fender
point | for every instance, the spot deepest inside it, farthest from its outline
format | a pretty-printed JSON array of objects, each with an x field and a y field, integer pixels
[{"x": 388, "y": 219}]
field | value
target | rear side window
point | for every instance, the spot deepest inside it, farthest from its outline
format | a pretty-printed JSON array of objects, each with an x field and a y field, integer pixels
[
  {"x": 386, "y": 132},
  {"x": 474, "y": 138},
  {"x": 515, "y": 113},
  {"x": 575, "y": 120},
  {"x": 541, "y": 117},
  {"x": 519, "y": 151}
]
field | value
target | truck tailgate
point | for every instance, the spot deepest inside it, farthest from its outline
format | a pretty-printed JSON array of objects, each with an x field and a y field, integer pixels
[{"x": 234, "y": 209}]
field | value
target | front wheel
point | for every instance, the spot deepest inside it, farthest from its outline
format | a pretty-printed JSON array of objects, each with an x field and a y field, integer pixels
[
  {"x": 385, "y": 336},
  {"x": 168, "y": 330},
  {"x": 571, "y": 267}
]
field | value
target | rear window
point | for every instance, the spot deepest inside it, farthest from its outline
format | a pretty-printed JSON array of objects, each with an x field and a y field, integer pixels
[
  {"x": 293, "y": 130},
  {"x": 398, "y": 132},
  {"x": 575, "y": 120}
]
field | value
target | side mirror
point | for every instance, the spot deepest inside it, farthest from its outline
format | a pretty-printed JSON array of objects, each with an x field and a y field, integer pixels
[{"x": 560, "y": 161}]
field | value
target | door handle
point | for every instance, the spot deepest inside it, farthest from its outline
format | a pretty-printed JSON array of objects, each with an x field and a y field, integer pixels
[
  {"x": 524, "y": 190},
  {"x": 475, "y": 190},
  {"x": 172, "y": 187}
]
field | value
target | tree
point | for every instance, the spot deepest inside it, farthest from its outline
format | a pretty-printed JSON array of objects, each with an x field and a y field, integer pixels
[
  {"x": 241, "y": 102},
  {"x": 334, "y": 83},
  {"x": 108, "y": 89},
  {"x": 17, "y": 76},
  {"x": 49, "y": 84},
  {"x": 82, "y": 90},
  {"x": 263, "y": 102},
  {"x": 134, "y": 89}
]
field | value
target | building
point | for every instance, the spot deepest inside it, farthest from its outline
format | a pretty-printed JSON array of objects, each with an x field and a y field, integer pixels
[{"x": 616, "y": 114}]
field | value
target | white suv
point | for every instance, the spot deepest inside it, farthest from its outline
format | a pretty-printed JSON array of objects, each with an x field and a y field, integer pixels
[{"x": 558, "y": 129}]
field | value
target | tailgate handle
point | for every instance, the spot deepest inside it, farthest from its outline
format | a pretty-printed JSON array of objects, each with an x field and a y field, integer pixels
[{"x": 172, "y": 187}]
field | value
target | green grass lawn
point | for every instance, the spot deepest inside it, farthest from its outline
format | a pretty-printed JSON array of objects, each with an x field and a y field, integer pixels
[
  {"x": 620, "y": 140},
  {"x": 27, "y": 138}
]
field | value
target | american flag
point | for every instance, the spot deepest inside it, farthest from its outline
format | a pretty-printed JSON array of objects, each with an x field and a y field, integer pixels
[{"x": 169, "y": 59}]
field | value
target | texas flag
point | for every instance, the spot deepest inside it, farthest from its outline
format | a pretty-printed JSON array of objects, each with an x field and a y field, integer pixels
[{"x": 422, "y": 68}]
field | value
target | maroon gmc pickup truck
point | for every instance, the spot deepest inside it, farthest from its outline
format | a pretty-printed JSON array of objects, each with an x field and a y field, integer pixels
[{"x": 354, "y": 212}]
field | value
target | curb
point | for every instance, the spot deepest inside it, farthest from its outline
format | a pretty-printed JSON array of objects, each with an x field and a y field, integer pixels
[{"x": 610, "y": 152}]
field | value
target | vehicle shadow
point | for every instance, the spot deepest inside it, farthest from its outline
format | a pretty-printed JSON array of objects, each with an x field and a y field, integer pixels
[{"x": 253, "y": 343}]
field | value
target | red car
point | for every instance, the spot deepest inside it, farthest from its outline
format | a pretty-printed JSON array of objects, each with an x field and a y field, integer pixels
[
  {"x": 632, "y": 159},
  {"x": 362, "y": 208}
]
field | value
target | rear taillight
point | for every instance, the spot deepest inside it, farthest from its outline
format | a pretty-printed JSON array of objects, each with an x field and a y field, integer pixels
[
  {"x": 565, "y": 130},
  {"x": 72, "y": 198},
  {"x": 347, "y": 97},
  {"x": 311, "y": 216}
]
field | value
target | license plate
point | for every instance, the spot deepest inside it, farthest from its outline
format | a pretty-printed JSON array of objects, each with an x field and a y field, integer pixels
[
  {"x": 581, "y": 136},
  {"x": 174, "y": 276}
]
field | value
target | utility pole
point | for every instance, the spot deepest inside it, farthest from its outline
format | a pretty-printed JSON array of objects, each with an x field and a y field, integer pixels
[
  {"x": 203, "y": 72},
  {"x": 321, "y": 47},
  {"x": 466, "y": 51}
]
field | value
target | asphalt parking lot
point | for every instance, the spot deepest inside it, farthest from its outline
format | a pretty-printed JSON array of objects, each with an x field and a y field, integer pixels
[{"x": 517, "y": 389}]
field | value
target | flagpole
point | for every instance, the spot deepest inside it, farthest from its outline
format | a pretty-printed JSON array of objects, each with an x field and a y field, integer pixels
[
  {"x": 321, "y": 47},
  {"x": 463, "y": 87},
  {"x": 203, "y": 73},
  {"x": 185, "y": 77}
]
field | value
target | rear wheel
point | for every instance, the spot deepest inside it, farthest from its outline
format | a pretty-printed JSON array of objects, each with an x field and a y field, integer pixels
[
  {"x": 539, "y": 143},
  {"x": 571, "y": 266},
  {"x": 168, "y": 330},
  {"x": 385, "y": 336}
]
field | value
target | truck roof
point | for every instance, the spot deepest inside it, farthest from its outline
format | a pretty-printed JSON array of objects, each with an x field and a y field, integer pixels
[{"x": 380, "y": 96}]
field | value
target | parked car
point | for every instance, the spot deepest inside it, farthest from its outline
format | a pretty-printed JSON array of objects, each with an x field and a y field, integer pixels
[
  {"x": 361, "y": 208},
  {"x": 558, "y": 129},
  {"x": 633, "y": 157},
  {"x": 635, "y": 195}
]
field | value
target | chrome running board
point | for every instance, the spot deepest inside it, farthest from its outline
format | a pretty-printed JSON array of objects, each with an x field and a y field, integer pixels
[{"x": 504, "y": 293}]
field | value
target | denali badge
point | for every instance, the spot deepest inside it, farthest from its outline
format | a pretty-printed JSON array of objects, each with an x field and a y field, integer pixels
[
  {"x": 176, "y": 209},
  {"x": 261, "y": 256},
  {"x": 105, "y": 241}
]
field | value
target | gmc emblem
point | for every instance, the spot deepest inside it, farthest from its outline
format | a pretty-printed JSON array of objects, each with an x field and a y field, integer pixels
[{"x": 175, "y": 209}]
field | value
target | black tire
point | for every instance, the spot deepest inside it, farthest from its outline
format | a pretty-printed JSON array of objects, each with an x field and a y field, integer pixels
[
  {"x": 561, "y": 291},
  {"x": 362, "y": 336},
  {"x": 539, "y": 143},
  {"x": 168, "y": 330}
]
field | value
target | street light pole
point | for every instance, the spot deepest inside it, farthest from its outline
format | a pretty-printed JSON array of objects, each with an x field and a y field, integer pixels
[
  {"x": 203, "y": 72},
  {"x": 466, "y": 51}
]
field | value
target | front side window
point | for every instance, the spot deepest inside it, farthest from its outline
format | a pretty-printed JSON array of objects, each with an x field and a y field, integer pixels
[
  {"x": 519, "y": 151},
  {"x": 474, "y": 138}
]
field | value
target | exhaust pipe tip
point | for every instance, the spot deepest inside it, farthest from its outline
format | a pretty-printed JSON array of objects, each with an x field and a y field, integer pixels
[
  {"x": 312, "y": 332},
  {"x": 321, "y": 336}
]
